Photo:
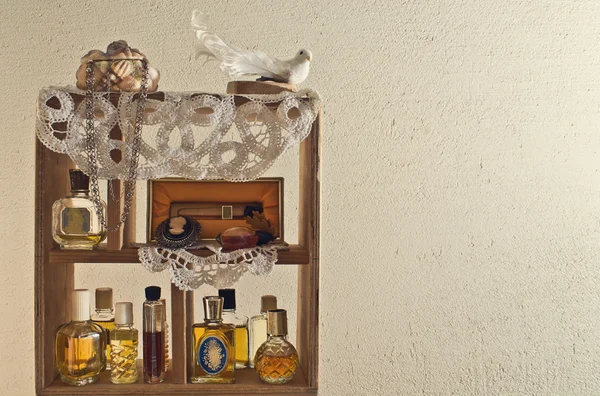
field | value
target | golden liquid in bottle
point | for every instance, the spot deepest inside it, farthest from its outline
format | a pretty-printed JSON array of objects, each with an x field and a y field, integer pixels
[
  {"x": 241, "y": 347},
  {"x": 107, "y": 327},
  {"x": 277, "y": 369},
  {"x": 226, "y": 334},
  {"x": 124, "y": 354},
  {"x": 77, "y": 358}
]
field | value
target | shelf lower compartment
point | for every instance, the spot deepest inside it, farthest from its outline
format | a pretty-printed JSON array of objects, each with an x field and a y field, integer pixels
[
  {"x": 295, "y": 255},
  {"x": 247, "y": 383}
]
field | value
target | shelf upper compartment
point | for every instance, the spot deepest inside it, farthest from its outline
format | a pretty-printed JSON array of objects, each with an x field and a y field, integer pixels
[
  {"x": 295, "y": 255},
  {"x": 247, "y": 383}
]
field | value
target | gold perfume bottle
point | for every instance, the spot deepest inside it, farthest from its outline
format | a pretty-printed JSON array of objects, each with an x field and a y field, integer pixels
[
  {"x": 80, "y": 345},
  {"x": 241, "y": 327},
  {"x": 124, "y": 346},
  {"x": 276, "y": 360},
  {"x": 104, "y": 316},
  {"x": 75, "y": 224},
  {"x": 213, "y": 350},
  {"x": 257, "y": 326}
]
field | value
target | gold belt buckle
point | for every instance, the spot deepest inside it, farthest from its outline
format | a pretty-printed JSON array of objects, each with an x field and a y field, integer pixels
[{"x": 227, "y": 212}]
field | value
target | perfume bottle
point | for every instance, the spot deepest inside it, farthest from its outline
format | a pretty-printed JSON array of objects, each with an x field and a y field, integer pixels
[
  {"x": 80, "y": 345},
  {"x": 166, "y": 338},
  {"x": 257, "y": 326},
  {"x": 241, "y": 327},
  {"x": 104, "y": 316},
  {"x": 154, "y": 341},
  {"x": 213, "y": 350},
  {"x": 276, "y": 360},
  {"x": 124, "y": 346},
  {"x": 75, "y": 224}
]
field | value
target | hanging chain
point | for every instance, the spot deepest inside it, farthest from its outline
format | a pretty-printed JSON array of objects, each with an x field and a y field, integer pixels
[{"x": 92, "y": 147}]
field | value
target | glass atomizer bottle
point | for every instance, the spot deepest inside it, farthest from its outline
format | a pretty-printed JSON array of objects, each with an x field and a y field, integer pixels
[
  {"x": 241, "y": 327},
  {"x": 75, "y": 224},
  {"x": 257, "y": 326},
  {"x": 80, "y": 345},
  {"x": 124, "y": 346},
  {"x": 153, "y": 339},
  {"x": 104, "y": 316},
  {"x": 213, "y": 349},
  {"x": 276, "y": 360}
]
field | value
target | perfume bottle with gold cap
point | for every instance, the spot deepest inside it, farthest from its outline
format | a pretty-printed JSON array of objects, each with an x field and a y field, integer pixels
[
  {"x": 213, "y": 351},
  {"x": 104, "y": 316},
  {"x": 257, "y": 326},
  {"x": 276, "y": 360},
  {"x": 75, "y": 224}
]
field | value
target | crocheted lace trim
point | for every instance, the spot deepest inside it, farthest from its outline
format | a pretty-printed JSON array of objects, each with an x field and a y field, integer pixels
[{"x": 191, "y": 135}]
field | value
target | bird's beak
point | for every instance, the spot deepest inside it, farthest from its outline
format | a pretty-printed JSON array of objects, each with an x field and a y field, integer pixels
[{"x": 308, "y": 58}]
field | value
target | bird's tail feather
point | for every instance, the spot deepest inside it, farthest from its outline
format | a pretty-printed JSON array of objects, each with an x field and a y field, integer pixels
[{"x": 208, "y": 44}]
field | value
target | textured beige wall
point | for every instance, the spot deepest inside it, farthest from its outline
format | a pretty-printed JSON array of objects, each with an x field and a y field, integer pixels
[{"x": 460, "y": 182}]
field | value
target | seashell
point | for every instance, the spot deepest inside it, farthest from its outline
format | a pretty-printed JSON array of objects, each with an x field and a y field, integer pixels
[{"x": 117, "y": 75}]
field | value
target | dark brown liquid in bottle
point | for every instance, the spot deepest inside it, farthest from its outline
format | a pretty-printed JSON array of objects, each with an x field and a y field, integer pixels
[{"x": 154, "y": 354}]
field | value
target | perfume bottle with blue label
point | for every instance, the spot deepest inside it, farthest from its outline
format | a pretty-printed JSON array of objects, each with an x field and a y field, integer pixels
[{"x": 213, "y": 350}]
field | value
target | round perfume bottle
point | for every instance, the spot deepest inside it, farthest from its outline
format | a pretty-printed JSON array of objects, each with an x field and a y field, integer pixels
[{"x": 276, "y": 360}]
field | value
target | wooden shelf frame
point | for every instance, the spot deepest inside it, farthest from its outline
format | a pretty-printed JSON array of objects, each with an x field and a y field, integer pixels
[{"x": 54, "y": 283}]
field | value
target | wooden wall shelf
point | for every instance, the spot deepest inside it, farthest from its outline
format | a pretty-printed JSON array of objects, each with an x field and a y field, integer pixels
[
  {"x": 54, "y": 283},
  {"x": 247, "y": 383},
  {"x": 295, "y": 255}
]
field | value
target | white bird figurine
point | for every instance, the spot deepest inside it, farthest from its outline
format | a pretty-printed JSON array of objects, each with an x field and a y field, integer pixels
[{"x": 239, "y": 62}]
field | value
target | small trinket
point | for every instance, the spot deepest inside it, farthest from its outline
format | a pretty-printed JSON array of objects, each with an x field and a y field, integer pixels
[
  {"x": 178, "y": 232},
  {"x": 118, "y": 69},
  {"x": 264, "y": 228},
  {"x": 237, "y": 238},
  {"x": 244, "y": 237}
]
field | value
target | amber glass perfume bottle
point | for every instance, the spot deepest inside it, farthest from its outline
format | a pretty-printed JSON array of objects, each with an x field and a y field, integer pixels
[
  {"x": 124, "y": 346},
  {"x": 276, "y": 360},
  {"x": 241, "y": 327},
  {"x": 75, "y": 224},
  {"x": 257, "y": 326},
  {"x": 154, "y": 337},
  {"x": 80, "y": 345},
  {"x": 104, "y": 316},
  {"x": 213, "y": 349}
]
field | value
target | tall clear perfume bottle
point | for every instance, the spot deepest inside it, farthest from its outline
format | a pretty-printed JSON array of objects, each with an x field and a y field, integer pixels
[
  {"x": 257, "y": 326},
  {"x": 124, "y": 346},
  {"x": 213, "y": 348},
  {"x": 276, "y": 360},
  {"x": 164, "y": 303},
  {"x": 80, "y": 345},
  {"x": 104, "y": 316},
  {"x": 75, "y": 224},
  {"x": 154, "y": 337},
  {"x": 241, "y": 327}
]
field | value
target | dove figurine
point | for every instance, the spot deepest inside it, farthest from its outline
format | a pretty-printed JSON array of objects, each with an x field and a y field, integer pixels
[{"x": 240, "y": 62}]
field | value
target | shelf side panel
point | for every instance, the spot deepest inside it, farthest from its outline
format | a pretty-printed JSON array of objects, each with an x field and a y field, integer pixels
[
  {"x": 53, "y": 284},
  {"x": 307, "y": 335},
  {"x": 181, "y": 327}
]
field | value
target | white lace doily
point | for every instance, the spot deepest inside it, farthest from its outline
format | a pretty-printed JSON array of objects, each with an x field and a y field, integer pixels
[
  {"x": 188, "y": 271},
  {"x": 191, "y": 135}
]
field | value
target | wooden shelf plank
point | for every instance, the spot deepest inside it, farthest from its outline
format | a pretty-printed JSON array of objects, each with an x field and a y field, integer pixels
[
  {"x": 247, "y": 383},
  {"x": 295, "y": 255}
]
